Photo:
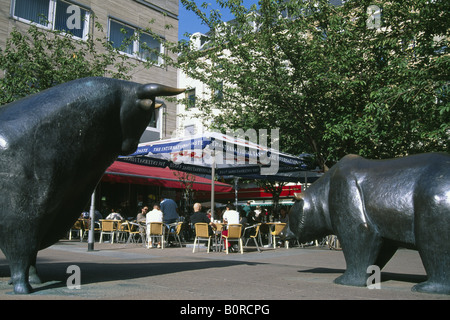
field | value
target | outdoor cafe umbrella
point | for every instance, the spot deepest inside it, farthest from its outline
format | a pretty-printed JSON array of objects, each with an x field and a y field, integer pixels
[{"x": 214, "y": 154}]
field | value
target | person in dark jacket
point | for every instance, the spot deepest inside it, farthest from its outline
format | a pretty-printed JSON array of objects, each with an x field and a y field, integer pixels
[{"x": 200, "y": 216}]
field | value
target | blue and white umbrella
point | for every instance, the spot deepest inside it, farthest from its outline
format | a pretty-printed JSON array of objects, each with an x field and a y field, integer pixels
[{"x": 215, "y": 153}]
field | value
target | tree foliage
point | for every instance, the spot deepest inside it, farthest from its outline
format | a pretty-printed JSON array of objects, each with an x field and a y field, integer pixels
[
  {"x": 39, "y": 59},
  {"x": 330, "y": 82}
]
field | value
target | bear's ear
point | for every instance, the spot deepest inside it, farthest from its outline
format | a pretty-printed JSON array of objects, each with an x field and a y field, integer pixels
[{"x": 298, "y": 196}]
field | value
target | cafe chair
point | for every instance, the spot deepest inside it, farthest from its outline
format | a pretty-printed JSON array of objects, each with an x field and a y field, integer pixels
[
  {"x": 234, "y": 234},
  {"x": 202, "y": 234},
  {"x": 108, "y": 227},
  {"x": 77, "y": 227},
  {"x": 121, "y": 231},
  {"x": 254, "y": 236},
  {"x": 175, "y": 233},
  {"x": 279, "y": 227},
  {"x": 155, "y": 230},
  {"x": 132, "y": 233},
  {"x": 87, "y": 227}
]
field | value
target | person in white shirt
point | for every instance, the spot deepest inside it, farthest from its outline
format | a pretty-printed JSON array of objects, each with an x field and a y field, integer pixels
[
  {"x": 114, "y": 216},
  {"x": 155, "y": 215},
  {"x": 230, "y": 216}
]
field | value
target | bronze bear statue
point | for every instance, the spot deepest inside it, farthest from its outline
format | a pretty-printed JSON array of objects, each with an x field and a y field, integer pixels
[
  {"x": 376, "y": 206},
  {"x": 54, "y": 148}
]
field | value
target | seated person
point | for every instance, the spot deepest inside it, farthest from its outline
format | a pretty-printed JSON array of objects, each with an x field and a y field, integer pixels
[
  {"x": 141, "y": 215},
  {"x": 230, "y": 216},
  {"x": 199, "y": 216},
  {"x": 114, "y": 216},
  {"x": 155, "y": 215}
]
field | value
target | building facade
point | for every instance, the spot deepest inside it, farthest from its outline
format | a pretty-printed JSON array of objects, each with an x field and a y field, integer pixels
[{"x": 119, "y": 19}]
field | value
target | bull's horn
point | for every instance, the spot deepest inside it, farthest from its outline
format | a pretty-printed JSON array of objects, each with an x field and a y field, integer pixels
[
  {"x": 298, "y": 196},
  {"x": 151, "y": 90}
]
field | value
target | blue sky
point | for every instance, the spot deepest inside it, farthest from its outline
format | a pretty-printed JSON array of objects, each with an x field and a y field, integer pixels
[{"x": 189, "y": 22}]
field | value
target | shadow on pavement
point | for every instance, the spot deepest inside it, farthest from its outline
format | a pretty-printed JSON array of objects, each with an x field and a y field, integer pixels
[
  {"x": 54, "y": 276},
  {"x": 385, "y": 276}
]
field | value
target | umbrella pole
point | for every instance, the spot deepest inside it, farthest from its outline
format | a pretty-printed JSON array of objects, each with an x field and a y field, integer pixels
[
  {"x": 213, "y": 174},
  {"x": 92, "y": 226},
  {"x": 236, "y": 179}
]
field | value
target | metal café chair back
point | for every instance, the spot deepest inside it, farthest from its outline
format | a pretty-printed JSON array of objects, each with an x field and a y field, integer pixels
[
  {"x": 155, "y": 230},
  {"x": 234, "y": 234},
  {"x": 132, "y": 232},
  {"x": 176, "y": 233},
  {"x": 108, "y": 227},
  {"x": 87, "y": 227},
  {"x": 279, "y": 227},
  {"x": 202, "y": 233},
  {"x": 255, "y": 236}
]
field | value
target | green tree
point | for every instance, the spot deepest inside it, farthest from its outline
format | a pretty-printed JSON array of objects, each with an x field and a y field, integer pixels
[
  {"x": 39, "y": 59},
  {"x": 330, "y": 81}
]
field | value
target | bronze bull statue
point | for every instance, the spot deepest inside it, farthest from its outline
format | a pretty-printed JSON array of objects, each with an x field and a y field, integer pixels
[
  {"x": 376, "y": 206},
  {"x": 54, "y": 148}
]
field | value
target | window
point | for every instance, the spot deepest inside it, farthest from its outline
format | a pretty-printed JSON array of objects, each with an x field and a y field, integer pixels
[
  {"x": 132, "y": 41},
  {"x": 189, "y": 130},
  {"x": 121, "y": 37},
  {"x": 53, "y": 14},
  {"x": 218, "y": 91},
  {"x": 33, "y": 11},
  {"x": 71, "y": 19},
  {"x": 190, "y": 96}
]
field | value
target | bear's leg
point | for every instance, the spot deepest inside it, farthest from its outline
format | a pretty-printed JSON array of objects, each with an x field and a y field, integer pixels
[
  {"x": 360, "y": 241},
  {"x": 360, "y": 252},
  {"x": 436, "y": 261},
  {"x": 432, "y": 224}
]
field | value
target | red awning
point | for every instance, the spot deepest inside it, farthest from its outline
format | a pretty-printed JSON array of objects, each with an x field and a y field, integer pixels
[{"x": 122, "y": 172}]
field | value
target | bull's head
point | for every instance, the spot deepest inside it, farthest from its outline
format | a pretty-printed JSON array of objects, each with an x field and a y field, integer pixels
[{"x": 137, "y": 110}]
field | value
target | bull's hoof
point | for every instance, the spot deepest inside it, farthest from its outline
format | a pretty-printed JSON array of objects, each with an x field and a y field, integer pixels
[
  {"x": 22, "y": 288},
  {"x": 34, "y": 279},
  {"x": 33, "y": 276},
  {"x": 432, "y": 287}
]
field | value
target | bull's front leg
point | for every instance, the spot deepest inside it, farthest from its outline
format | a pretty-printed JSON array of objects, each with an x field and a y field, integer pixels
[
  {"x": 21, "y": 253},
  {"x": 33, "y": 276},
  {"x": 19, "y": 277}
]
